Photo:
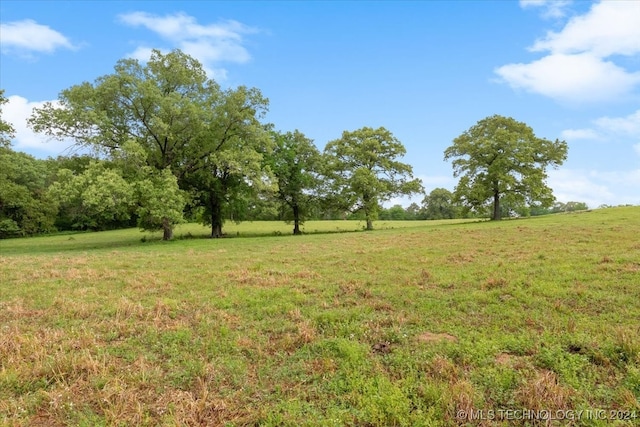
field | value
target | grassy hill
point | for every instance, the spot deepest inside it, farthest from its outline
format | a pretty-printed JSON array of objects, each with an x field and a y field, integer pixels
[{"x": 416, "y": 324}]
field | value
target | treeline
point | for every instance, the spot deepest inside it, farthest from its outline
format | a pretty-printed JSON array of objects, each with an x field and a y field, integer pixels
[
  {"x": 169, "y": 145},
  {"x": 441, "y": 204},
  {"x": 82, "y": 192}
]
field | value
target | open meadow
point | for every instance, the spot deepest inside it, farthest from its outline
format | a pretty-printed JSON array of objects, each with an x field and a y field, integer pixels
[{"x": 423, "y": 323}]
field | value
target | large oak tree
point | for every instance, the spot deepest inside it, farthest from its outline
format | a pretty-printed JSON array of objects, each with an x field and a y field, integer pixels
[
  {"x": 182, "y": 120},
  {"x": 501, "y": 158}
]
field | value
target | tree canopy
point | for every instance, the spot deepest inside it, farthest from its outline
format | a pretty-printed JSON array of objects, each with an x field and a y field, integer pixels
[
  {"x": 363, "y": 170},
  {"x": 501, "y": 158},
  {"x": 438, "y": 204},
  {"x": 295, "y": 162},
  {"x": 25, "y": 206},
  {"x": 181, "y": 120},
  {"x": 168, "y": 144}
]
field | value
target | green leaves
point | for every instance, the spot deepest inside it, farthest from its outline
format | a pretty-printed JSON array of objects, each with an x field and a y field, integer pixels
[
  {"x": 98, "y": 197},
  {"x": 7, "y": 131},
  {"x": 101, "y": 196},
  {"x": 439, "y": 205},
  {"x": 25, "y": 207},
  {"x": 502, "y": 157},
  {"x": 362, "y": 171},
  {"x": 295, "y": 162},
  {"x": 160, "y": 200},
  {"x": 166, "y": 114}
]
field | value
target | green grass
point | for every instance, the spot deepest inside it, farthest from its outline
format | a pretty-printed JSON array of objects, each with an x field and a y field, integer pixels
[{"x": 413, "y": 324}]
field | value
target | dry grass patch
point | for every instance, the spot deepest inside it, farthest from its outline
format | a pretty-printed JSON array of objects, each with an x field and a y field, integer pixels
[
  {"x": 435, "y": 337},
  {"x": 495, "y": 282},
  {"x": 544, "y": 392},
  {"x": 444, "y": 369},
  {"x": 463, "y": 402}
]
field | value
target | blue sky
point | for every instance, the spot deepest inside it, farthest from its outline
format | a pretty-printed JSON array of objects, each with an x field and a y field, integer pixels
[{"x": 425, "y": 70}]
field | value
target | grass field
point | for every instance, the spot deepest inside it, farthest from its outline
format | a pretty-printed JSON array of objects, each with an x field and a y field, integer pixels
[{"x": 413, "y": 324}]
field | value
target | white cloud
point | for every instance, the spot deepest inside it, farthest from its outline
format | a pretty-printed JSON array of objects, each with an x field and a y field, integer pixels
[
  {"x": 580, "y": 66},
  {"x": 141, "y": 53},
  {"x": 211, "y": 44},
  {"x": 596, "y": 188},
  {"x": 575, "y": 134},
  {"x": 571, "y": 78},
  {"x": 608, "y": 128},
  {"x": 16, "y": 112},
  {"x": 629, "y": 125},
  {"x": 28, "y": 36},
  {"x": 551, "y": 8},
  {"x": 609, "y": 28},
  {"x": 437, "y": 181}
]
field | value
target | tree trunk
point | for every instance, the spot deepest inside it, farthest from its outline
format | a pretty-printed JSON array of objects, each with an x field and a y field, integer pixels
[
  {"x": 369, "y": 210},
  {"x": 167, "y": 229},
  {"x": 216, "y": 215},
  {"x": 296, "y": 220},
  {"x": 496, "y": 206},
  {"x": 216, "y": 231}
]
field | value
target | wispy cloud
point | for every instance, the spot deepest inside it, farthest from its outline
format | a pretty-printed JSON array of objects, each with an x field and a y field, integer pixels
[
  {"x": 582, "y": 64},
  {"x": 571, "y": 78},
  {"x": 602, "y": 187},
  {"x": 16, "y": 112},
  {"x": 605, "y": 128},
  {"x": 628, "y": 125},
  {"x": 576, "y": 134},
  {"x": 211, "y": 44},
  {"x": 609, "y": 28},
  {"x": 596, "y": 188},
  {"x": 550, "y": 8},
  {"x": 27, "y": 36}
]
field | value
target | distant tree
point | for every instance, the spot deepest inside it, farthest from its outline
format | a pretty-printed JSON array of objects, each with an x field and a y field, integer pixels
[
  {"x": 25, "y": 206},
  {"x": 576, "y": 206},
  {"x": 396, "y": 213},
  {"x": 569, "y": 207},
  {"x": 264, "y": 207},
  {"x": 439, "y": 204},
  {"x": 160, "y": 201},
  {"x": 295, "y": 162},
  {"x": 500, "y": 157},
  {"x": 412, "y": 211},
  {"x": 539, "y": 210},
  {"x": 99, "y": 198},
  {"x": 7, "y": 131},
  {"x": 75, "y": 163},
  {"x": 511, "y": 205},
  {"x": 362, "y": 171},
  {"x": 103, "y": 197}
]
